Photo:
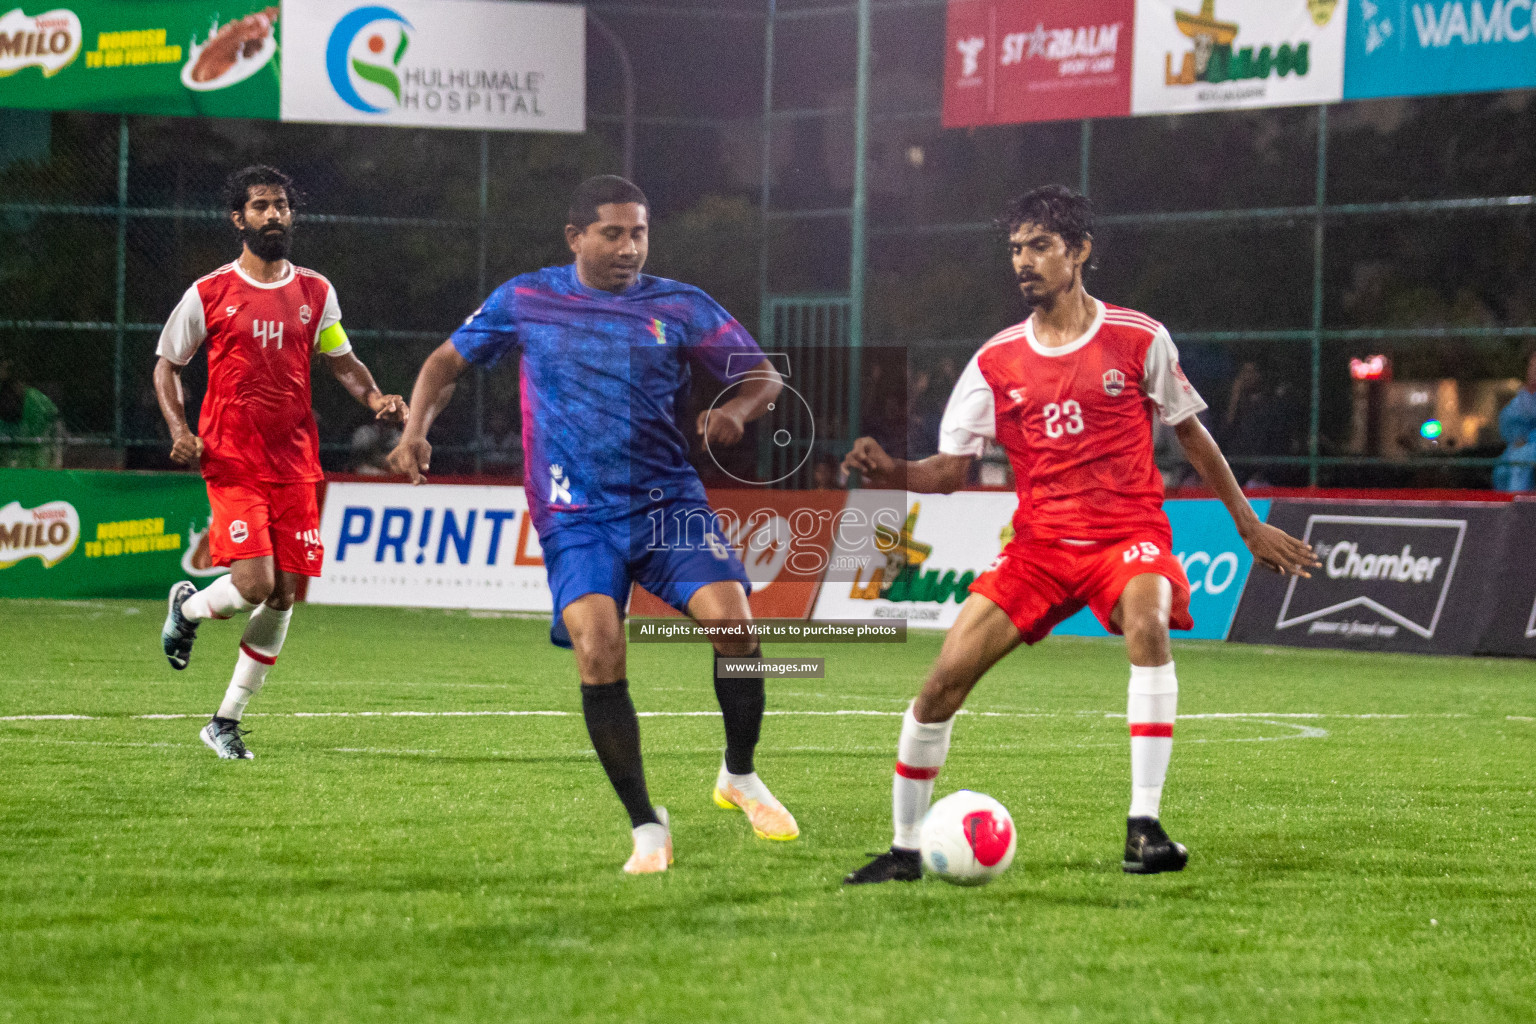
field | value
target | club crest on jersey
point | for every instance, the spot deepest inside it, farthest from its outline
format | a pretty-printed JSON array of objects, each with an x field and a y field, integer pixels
[
  {"x": 1114, "y": 383},
  {"x": 238, "y": 531},
  {"x": 305, "y": 313}
]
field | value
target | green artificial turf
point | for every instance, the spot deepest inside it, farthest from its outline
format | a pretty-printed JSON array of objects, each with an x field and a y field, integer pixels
[{"x": 1372, "y": 863}]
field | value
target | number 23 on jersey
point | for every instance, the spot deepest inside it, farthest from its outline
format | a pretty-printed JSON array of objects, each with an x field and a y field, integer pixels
[{"x": 1060, "y": 417}]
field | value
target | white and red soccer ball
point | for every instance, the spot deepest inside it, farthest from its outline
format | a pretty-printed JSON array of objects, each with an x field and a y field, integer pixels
[{"x": 968, "y": 838}]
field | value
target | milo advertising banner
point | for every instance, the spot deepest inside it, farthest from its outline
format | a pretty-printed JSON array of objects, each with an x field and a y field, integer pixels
[
  {"x": 1194, "y": 55},
  {"x": 67, "y": 533},
  {"x": 191, "y": 57}
]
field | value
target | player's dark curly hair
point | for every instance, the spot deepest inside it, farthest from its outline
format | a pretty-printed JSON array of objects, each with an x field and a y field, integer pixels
[
  {"x": 1057, "y": 209},
  {"x": 594, "y": 192},
  {"x": 237, "y": 187}
]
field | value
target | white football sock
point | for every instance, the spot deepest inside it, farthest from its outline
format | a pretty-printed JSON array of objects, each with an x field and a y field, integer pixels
[
  {"x": 219, "y": 600},
  {"x": 749, "y": 785},
  {"x": 259, "y": 647},
  {"x": 919, "y": 756},
  {"x": 1152, "y": 703}
]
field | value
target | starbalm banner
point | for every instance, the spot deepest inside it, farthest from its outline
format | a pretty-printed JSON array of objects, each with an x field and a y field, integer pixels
[{"x": 436, "y": 64}]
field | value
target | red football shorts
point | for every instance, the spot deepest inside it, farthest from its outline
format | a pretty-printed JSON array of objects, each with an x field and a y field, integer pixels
[
  {"x": 1040, "y": 583},
  {"x": 258, "y": 519}
]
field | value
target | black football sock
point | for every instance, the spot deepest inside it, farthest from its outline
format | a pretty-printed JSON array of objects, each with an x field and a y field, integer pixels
[
  {"x": 615, "y": 732},
  {"x": 741, "y": 705}
]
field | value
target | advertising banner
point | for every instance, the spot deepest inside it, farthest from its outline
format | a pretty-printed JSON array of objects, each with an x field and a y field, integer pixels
[
  {"x": 1407, "y": 576},
  {"x": 784, "y": 541},
  {"x": 442, "y": 546},
  {"x": 1236, "y": 54},
  {"x": 918, "y": 568},
  {"x": 1214, "y": 558},
  {"x": 1512, "y": 625},
  {"x": 75, "y": 534},
  {"x": 1445, "y": 46},
  {"x": 187, "y": 57},
  {"x": 436, "y": 64},
  {"x": 1010, "y": 61}
]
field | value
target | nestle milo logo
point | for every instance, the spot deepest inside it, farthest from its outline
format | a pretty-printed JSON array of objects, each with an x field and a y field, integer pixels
[
  {"x": 48, "y": 533},
  {"x": 50, "y": 41}
]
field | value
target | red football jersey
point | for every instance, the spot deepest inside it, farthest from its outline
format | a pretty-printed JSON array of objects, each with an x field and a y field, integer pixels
[
  {"x": 257, "y": 423},
  {"x": 1075, "y": 422}
]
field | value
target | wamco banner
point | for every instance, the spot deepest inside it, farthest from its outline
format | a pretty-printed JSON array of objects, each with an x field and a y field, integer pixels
[
  {"x": 436, "y": 64},
  {"x": 194, "y": 57},
  {"x": 76, "y": 534},
  {"x": 1406, "y": 576},
  {"x": 1425, "y": 47}
]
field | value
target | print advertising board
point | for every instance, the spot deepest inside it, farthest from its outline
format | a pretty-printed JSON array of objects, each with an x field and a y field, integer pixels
[
  {"x": 1237, "y": 54},
  {"x": 439, "y": 546},
  {"x": 1439, "y": 46},
  {"x": 436, "y": 64},
  {"x": 1011, "y": 61},
  {"x": 76, "y": 534},
  {"x": 1405, "y": 576},
  {"x": 194, "y": 58}
]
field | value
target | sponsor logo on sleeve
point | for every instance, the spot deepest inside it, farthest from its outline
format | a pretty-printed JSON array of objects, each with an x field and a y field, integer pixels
[{"x": 1397, "y": 571}]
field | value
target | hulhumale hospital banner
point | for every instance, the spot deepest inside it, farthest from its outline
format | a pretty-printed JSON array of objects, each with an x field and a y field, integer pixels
[{"x": 421, "y": 63}]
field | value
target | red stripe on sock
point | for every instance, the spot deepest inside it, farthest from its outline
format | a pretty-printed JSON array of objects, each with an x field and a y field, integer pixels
[
  {"x": 907, "y": 771},
  {"x": 1162, "y": 729},
  {"x": 257, "y": 655}
]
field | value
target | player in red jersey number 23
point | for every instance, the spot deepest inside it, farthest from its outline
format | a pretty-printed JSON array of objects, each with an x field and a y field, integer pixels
[
  {"x": 1069, "y": 394},
  {"x": 262, "y": 319}
]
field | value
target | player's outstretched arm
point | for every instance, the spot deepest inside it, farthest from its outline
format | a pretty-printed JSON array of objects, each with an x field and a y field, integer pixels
[
  {"x": 435, "y": 384},
  {"x": 354, "y": 376},
  {"x": 937, "y": 474},
  {"x": 1272, "y": 547},
  {"x": 186, "y": 447}
]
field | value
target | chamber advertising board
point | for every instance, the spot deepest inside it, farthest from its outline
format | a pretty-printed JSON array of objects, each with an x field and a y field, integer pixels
[
  {"x": 436, "y": 64},
  {"x": 784, "y": 541},
  {"x": 1512, "y": 625},
  {"x": 1010, "y": 61},
  {"x": 1406, "y": 576},
  {"x": 438, "y": 546},
  {"x": 916, "y": 567},
  {"x": 1215, "y": 560},
  {"x": 1444, "y": 46},
  {"x": 1236, "y": 54},
  {"x": 77, "y": 534},
  {"x": 189, "y": 58}
]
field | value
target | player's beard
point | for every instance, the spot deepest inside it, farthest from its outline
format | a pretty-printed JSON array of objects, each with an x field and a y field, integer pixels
[{"x": 270, "y": 245}]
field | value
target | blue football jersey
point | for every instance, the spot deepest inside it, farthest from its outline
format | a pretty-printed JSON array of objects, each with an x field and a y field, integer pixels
[{"x": 600, "y": 377}]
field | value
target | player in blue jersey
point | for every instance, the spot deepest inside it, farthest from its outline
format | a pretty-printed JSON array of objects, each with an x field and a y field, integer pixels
[{"x": 603, "y": 352}]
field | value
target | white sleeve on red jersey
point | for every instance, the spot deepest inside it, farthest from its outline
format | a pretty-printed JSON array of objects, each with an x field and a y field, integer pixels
[
  {"x": 1164, "y": 381},
  {"x": 970, "y": 418},
  {"x": 337, "y": 343},
  {"x": 185, "y": 329}
]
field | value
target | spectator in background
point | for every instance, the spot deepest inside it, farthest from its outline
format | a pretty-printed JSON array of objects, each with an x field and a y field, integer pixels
[
  {"x": 504, "y": 445},
  {"x": 1254, "y": 421},
  {"x": 1517, "y": 425},
  {"x": 825, "y": 474},
  {"x": 31, "y": 434},
  {"x": 371, "y": 445}
]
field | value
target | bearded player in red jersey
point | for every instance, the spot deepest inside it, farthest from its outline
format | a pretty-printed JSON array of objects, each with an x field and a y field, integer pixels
[
  {"x": 1069, "y": 394},
  {"x": 262, "y": 319}
]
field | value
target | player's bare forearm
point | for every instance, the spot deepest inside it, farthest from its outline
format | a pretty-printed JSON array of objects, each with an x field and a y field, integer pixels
[
  {"x": 185, "y": 446},
  {"x": 1203, "y": 454},
  {"x": 1272, "y": 547},
  {"x": 434, "y": 388},
  {"x": 725, "y": 423},
  {"x": 354, "y": 376},
  {"x": 937, "y": 474}
]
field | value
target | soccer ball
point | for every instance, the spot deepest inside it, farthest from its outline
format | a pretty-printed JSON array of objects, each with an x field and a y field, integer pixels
[{"x": 968, "y": 838}]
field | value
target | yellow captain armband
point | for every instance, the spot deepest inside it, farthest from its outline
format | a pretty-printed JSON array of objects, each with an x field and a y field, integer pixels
[{"x": 333, "y": 341}]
